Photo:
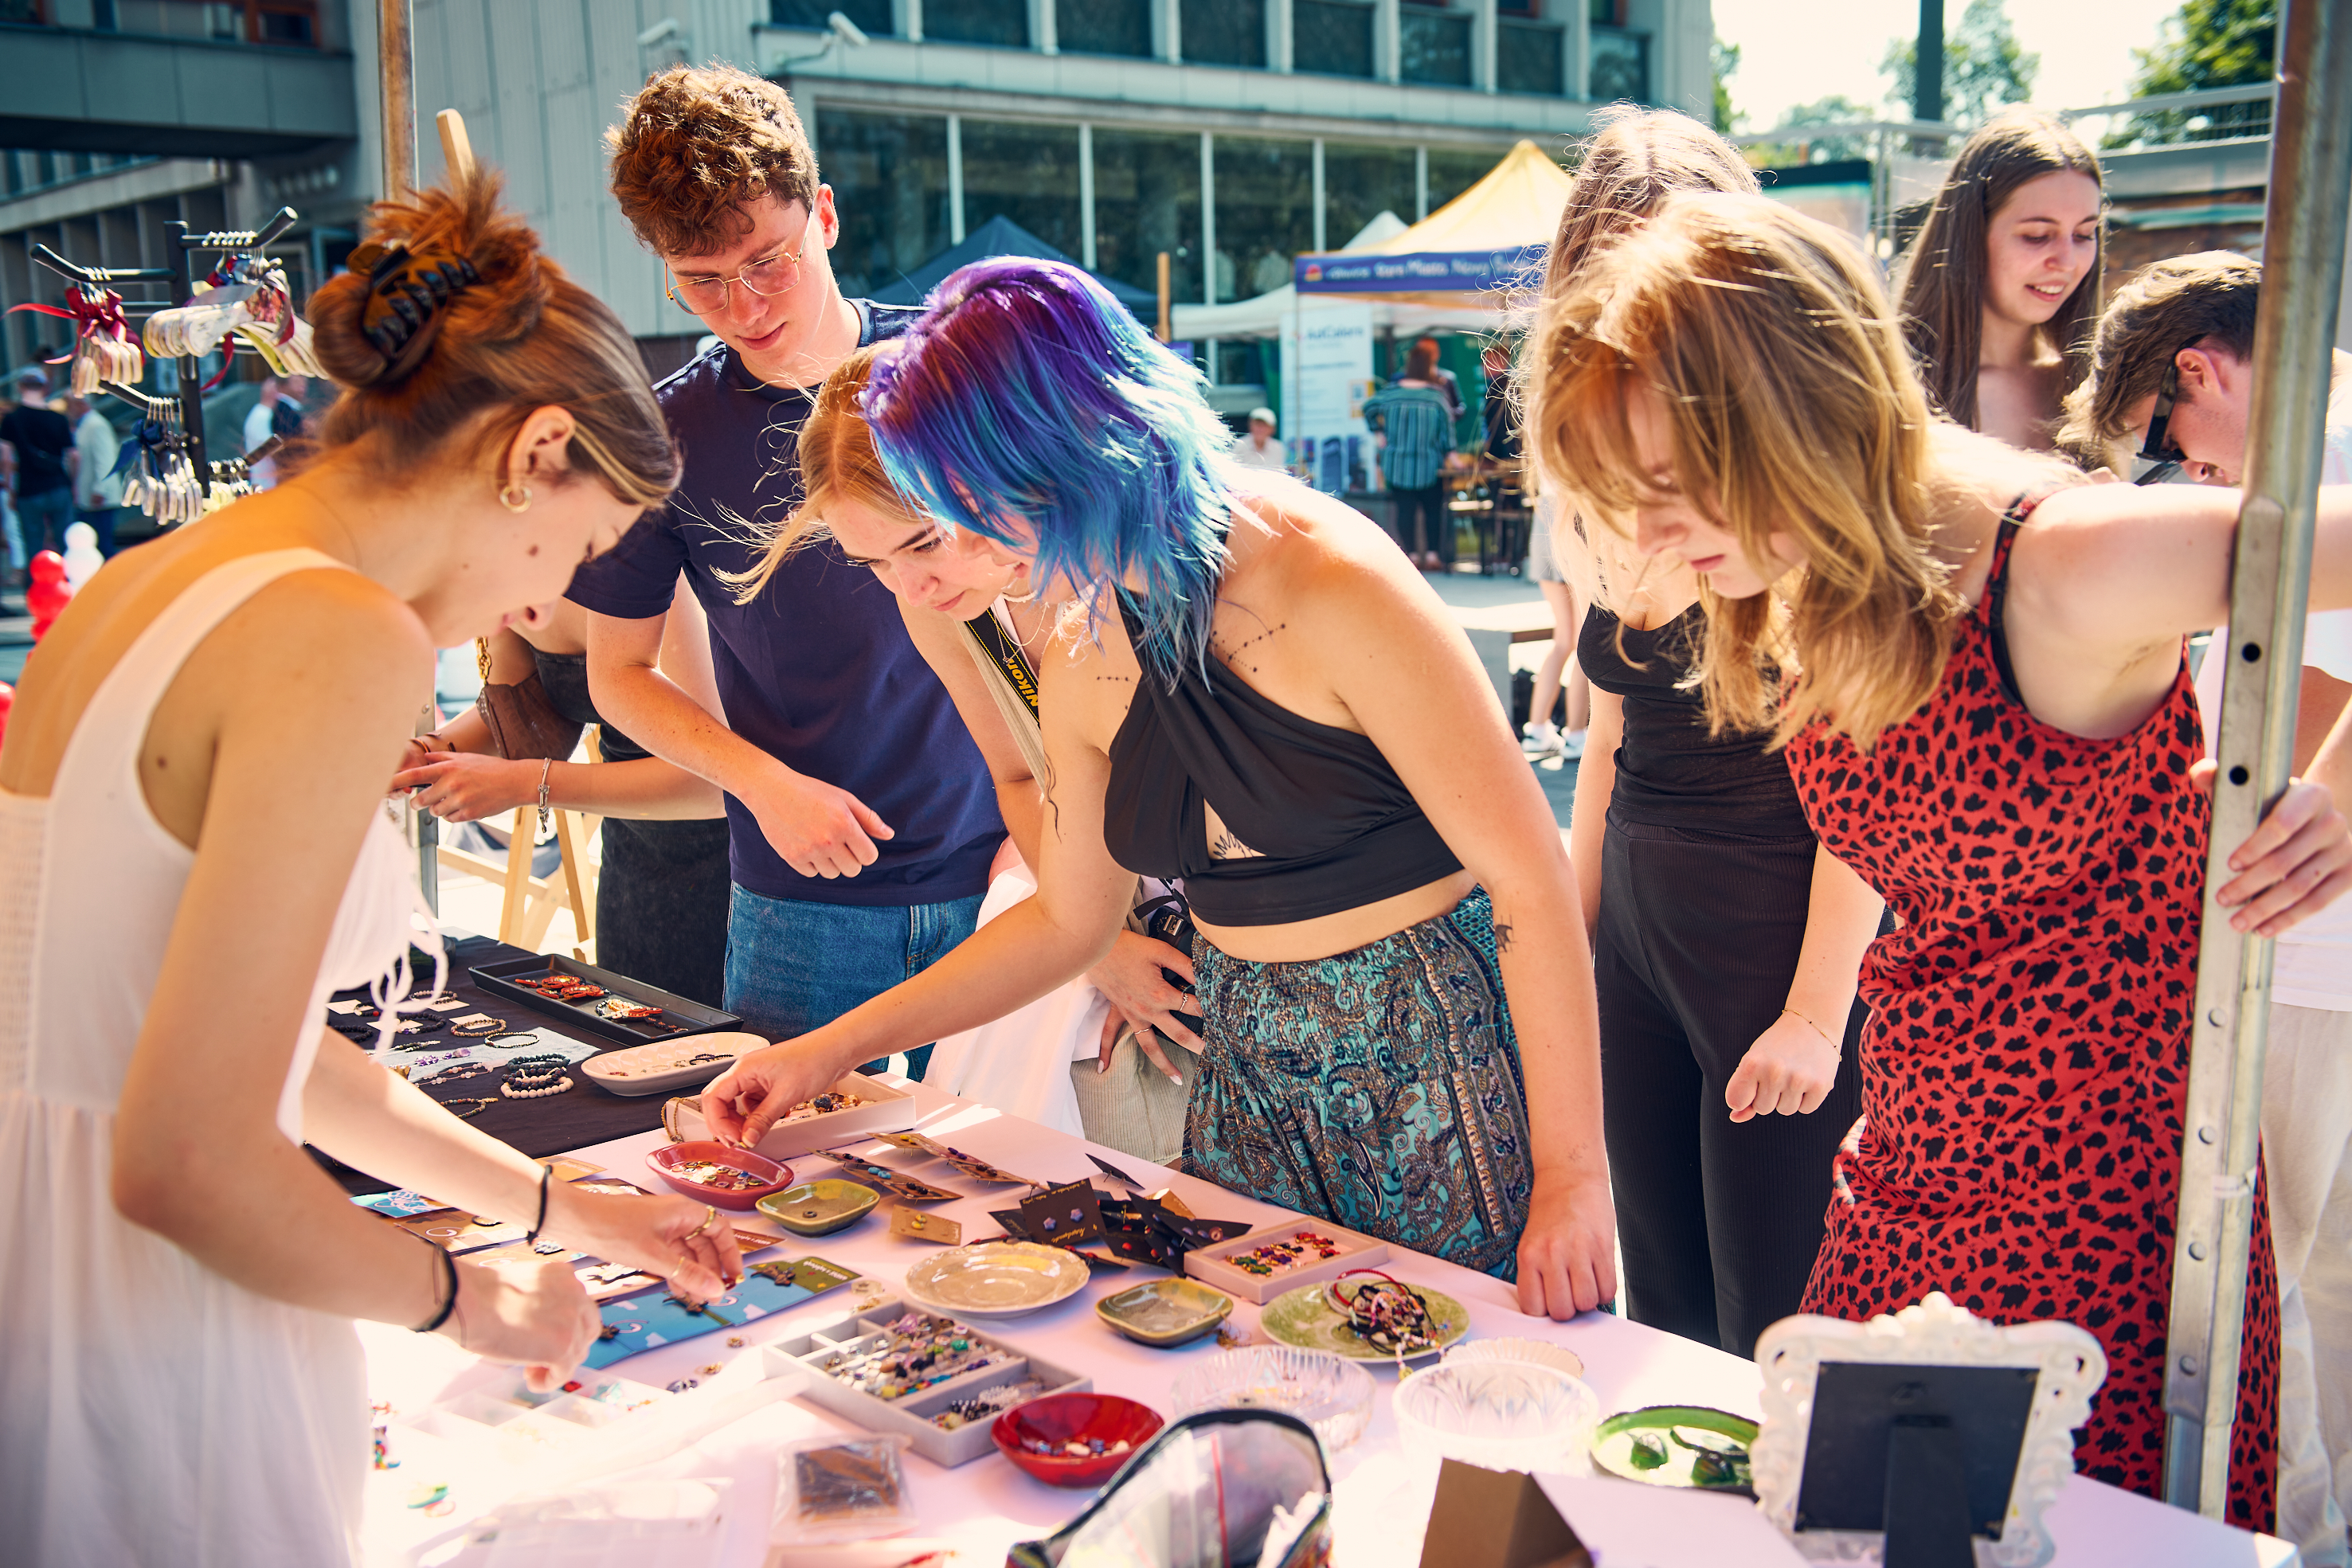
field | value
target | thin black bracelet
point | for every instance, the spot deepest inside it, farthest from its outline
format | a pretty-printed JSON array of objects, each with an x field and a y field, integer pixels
[
  {"x": 546, "y": 1175},
  {"x": 448, "y": 1267}
]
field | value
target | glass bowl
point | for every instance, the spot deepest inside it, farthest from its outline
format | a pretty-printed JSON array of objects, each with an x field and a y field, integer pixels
[
  {"x": 1502, "y": 1415},
  {"x": 1542, "y": 1352},
  {"x": 1331, "y": 1395}
]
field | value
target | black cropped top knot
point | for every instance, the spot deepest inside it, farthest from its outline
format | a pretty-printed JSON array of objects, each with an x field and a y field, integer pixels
[{"x": 1334, "y": 826}]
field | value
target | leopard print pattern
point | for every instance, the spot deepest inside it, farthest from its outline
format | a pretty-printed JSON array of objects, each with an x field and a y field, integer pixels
[{"x": 2024, "y": 1071}]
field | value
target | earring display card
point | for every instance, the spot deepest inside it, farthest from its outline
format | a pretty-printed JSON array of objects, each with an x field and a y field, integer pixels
[
  {"x": 903, "y": 1187},
  {"x": 1065, "y": 1216},
  {"x": 970, "y": 1166},
  {"x": 401, "y": 1205},
  {"x": 936, "y": 1228},
  {"x": 654, "y": 1318},
  {"x": 462, "y": 1232},
  {"x": 1265, "y": 1262}
]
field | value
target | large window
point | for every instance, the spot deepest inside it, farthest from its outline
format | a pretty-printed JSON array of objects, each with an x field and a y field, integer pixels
[
  {"x": 1001, "y": 22},
  {"x": 1451, "y": 172},
  {"x": 1362, "y": 183},
  {"x": 1103, "y": 27},
  {"x": 1025, "y": 172},
  {"x": 889, "y": 179},
  {"x": 1432, "y": 46},
  {"x": 1266, "y": 212},
  {"x": 871, "y": 16},
  {"x": 1331, "y": 37},
  {"x": 1222, "y": 32},
  {"x": 1528, "y": 58},
  {"x": 1621, "y": 65},
  {"x": 1148, "y": 200}
]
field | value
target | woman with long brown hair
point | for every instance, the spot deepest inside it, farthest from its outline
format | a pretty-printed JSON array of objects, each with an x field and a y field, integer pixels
[
  {"x": 1993, "y": 724},
  {"x": 1999, "y": 295},
  {"x": 194, "y": 855}
]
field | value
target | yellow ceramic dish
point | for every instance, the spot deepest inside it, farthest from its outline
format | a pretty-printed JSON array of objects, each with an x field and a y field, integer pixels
[
  {"x": 1165, "y": 1313},
  {"x": 820, "y": 1207}
]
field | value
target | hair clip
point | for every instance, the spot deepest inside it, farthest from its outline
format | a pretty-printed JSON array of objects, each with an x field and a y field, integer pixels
[{"x": 406, "y": 289}]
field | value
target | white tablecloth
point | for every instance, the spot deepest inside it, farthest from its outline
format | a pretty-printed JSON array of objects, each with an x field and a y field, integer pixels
[{"x": 976, "y": 1510}]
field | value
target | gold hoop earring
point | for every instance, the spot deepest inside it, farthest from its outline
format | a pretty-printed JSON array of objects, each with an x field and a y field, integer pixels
[{"x": 506, "y": 497}]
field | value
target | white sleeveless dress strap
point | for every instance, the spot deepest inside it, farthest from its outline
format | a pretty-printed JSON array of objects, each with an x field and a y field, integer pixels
[{"x": 151, "y": 1411}]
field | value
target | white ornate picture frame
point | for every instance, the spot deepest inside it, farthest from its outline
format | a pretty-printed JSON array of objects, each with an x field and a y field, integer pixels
[{"x": 1935, "y": 1332}]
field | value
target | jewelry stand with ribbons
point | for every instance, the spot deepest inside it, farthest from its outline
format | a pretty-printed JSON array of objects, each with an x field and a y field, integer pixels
[{"x": 243, "y": 301}]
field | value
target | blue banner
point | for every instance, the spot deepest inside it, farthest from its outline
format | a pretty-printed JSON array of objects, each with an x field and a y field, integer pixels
[{"x": 1418, "y": 272}]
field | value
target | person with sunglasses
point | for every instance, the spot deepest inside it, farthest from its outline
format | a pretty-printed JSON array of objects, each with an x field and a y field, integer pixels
[
  {"x": 2173, "y": 371},
  {"x": 863, "y": 820}
]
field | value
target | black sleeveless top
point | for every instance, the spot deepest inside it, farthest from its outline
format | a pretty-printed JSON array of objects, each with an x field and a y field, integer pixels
[
  {"x": 1335, "y": 826},
  {"x": 1671, "y": 773},
  {"x": 565, "y": 676}
]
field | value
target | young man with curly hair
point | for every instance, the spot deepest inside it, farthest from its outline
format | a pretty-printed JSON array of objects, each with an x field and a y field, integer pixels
[{"x": 862, "y": 819}]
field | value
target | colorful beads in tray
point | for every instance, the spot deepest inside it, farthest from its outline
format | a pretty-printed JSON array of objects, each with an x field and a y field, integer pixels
[
  {"x": 823, "y": 1106},
  {"x": 1286, "y": 1253},
  {"x": 562, "y": 988},
  {"x": 725, "y": 1178},
  {"x": 988, "y": 1403},
  {"x": 911, "y": 1353}
]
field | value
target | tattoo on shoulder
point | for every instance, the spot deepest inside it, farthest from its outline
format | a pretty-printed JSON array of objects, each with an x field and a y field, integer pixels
[
  {"x": 1502, "y": 936},
  {"x": 1229, "y": 653}
]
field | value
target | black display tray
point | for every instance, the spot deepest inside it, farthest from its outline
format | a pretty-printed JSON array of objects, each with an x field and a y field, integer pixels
[{"x": 680, "y": 1017}]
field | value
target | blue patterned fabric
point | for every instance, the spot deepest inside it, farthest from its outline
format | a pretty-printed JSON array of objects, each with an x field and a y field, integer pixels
[
  {"x": 1379, "y": 1089},
  {"x": 1420, "y": 429}
]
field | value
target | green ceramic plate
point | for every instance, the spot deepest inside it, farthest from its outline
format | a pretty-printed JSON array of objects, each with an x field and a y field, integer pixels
[
  {"x": 1614, "y": 1439},
  {"x": 1308, "y": 1319},
  {"x": 820, "y": 1207},
  {"x": 1165, "y": 1312}
]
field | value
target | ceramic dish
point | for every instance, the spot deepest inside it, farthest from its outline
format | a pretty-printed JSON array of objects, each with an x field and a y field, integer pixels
[
  {"x": 772, "y": 1178},
  {"x": 1542, "y": 1352},
  {"x": 1165, "y": 1313},
  {"x": 1074, "y": 1439},
  {"x": 995, "y": 1279},
  {"x": 1308, "y": 1319},
  {"x": 1613, "y": 1446},
  {"x": 670, "y": 1065},
  {"x": 820, "y": 1207},
  {"x": 1332, "y": 1395}
]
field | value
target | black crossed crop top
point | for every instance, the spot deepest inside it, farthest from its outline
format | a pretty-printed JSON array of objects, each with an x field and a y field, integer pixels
[{"x": 1335, "y": 826}]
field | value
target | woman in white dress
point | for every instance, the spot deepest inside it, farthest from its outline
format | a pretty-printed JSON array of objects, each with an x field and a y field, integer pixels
[{"x": 193, "y": 852}]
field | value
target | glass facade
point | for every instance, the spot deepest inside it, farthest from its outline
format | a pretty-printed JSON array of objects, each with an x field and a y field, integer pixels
[
  {"x": 1453, "y": 171},
  {"x": 872, "y": 16},
  {"x": 1103, "y": 27},
  {"x": 1148, "y": 200},
  {"x": 1266, "y": 212},
  {"x": 1621, "y": 65},
  {"x": 1331, "y": 37},
  {"x": 1028, "y": 173},
  {"x": 889, "y": 179},
  {"x": 1004, "y": 23},
  {"x": 1360, "y": 183},
  {"x": 1221, "y": 32},
  {"x": 1432, "y": 46},
  {"x": 1528, "y": 58}
]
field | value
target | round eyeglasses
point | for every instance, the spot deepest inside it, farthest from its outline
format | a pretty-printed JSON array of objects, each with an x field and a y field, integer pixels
[{"x": 706, "y": 294}]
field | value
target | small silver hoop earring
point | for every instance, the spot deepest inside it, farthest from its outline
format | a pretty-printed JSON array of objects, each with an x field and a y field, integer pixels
[{"x": 507, "y": 497}]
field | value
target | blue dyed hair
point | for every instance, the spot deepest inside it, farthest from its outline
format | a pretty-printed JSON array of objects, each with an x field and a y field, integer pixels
[{"x": 1027, "y": 392}]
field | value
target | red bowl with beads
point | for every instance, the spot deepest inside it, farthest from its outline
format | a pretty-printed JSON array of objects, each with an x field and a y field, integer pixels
[
  {"x": 713, "y": 1173},
  {"x": 1074, "y": 1439}
]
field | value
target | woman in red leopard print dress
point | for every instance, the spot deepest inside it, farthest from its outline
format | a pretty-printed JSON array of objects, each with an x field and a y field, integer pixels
[{"x": 1995, "y": 727}]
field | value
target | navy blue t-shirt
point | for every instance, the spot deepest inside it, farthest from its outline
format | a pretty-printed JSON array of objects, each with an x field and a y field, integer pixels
[{"x": 817, "y": 671}]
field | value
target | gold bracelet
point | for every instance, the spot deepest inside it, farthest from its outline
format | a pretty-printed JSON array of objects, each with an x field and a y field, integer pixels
[{"x": 1815, "y": 1027}]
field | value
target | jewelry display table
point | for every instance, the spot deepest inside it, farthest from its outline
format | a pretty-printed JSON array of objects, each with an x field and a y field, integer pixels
[{"x": 972, "y": 1513}]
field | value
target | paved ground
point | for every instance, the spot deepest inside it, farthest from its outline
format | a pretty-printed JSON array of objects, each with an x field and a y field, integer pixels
[{"x": 1512, "y": 602}]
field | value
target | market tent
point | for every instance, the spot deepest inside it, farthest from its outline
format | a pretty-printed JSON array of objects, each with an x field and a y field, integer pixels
[
  {"x": 1000, "y": 236},
  {"x": 1486, "y": 240},
  {"x": 1263, "y": 316}
]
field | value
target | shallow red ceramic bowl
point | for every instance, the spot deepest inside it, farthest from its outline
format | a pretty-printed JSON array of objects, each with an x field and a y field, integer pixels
[
  {"x": 773, "y": 1177},
  {"x": 1038, "y": 1436}
]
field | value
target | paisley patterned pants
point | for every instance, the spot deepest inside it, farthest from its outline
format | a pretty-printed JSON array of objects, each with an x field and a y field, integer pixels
[{"x": 1378, "y": 1089}]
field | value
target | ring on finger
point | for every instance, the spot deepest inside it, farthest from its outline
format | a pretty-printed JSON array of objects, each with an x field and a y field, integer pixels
[{"x": 709, "y": 1217}]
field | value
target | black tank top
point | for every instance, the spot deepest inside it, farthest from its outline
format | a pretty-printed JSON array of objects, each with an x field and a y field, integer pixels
[
  {"x": 1671, "y": 773},
  {"x": 1335, "y": 826},
  {"x": 565, "y": 676}
]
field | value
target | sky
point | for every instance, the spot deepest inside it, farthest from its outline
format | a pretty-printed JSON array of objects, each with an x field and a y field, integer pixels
[{"x": 1794, "y": 51}]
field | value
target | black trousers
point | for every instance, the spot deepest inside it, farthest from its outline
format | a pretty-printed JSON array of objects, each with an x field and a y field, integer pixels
[
  {"x": 1698, "y": 939},
  {"x": 1423, "y": 514}
]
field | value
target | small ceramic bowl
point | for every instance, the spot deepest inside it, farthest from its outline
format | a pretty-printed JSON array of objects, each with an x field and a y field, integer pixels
[
  {"x": 772, "y": 1178},
  {"x": 820, "y": 1207},
  {"x": 1165, "y": 1313},
  {"x": 1074, "y": 1439}
]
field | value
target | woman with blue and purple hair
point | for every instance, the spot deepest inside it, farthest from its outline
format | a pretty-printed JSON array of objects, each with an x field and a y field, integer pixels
[{"x": 1254, "y": 691}]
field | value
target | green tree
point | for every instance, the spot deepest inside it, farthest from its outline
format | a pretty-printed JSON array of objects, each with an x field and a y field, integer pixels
[
  {"x": 2205, "y": 44},
  {"x": 1984, "y": 68},
  {"x": 1724, "y": 57},
  {"x": 1799, "y": 148}
]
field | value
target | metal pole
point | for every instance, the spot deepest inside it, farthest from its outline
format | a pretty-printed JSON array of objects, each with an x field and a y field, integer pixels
[
  {"x": 2303, "y": 249},
  {"x": 397, "y": 58},
  {"x": 1928, "y": 70}
]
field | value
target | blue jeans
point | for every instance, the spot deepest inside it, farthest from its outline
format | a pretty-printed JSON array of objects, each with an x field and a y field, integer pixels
[
  {"x": 793, "y": 965},
  {"x": 43, "y": 518}
]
